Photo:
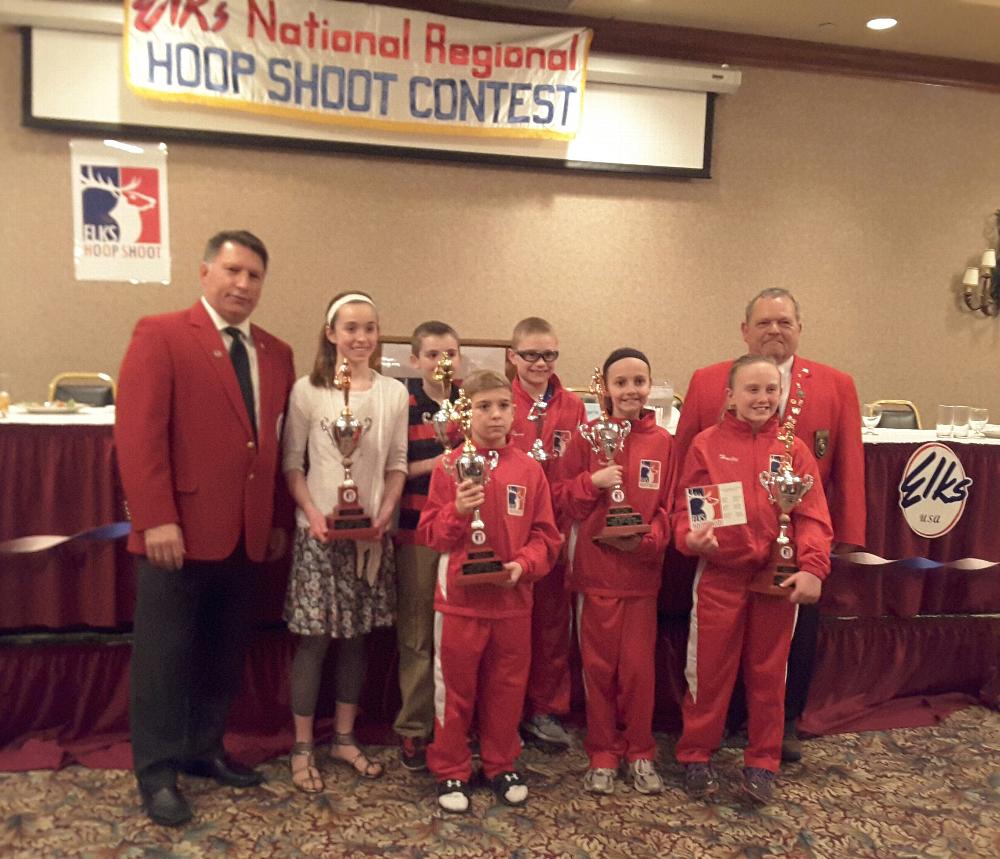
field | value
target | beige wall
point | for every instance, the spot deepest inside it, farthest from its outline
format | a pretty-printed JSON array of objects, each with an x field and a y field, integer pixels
[{"x": 867, "y": 198}]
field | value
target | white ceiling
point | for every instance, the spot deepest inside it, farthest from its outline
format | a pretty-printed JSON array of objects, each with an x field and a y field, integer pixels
[{"x": 966, "y": 29}]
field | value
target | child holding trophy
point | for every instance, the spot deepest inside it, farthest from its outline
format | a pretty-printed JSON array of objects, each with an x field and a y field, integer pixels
[
  {"x": 435, "y": 353},
  {"x": 486, "y": 499},
  {"x": 724, "y": 514},
  {"x": 349, "y": 422},
  {"x": 618, "y": 484},
  {"x": 545, "y": 420}
]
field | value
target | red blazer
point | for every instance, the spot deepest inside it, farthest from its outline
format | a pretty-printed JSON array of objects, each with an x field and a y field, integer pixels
[
  {"x": 184, "y": 441},
  {"x": 830, "y": 425}
]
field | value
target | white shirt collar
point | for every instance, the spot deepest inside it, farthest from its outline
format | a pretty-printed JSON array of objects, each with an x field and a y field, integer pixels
[{"x": 220, "y": 323}]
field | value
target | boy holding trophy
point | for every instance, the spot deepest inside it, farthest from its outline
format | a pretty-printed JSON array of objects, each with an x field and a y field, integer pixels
[
  {"x": 739, "y": 479},
  {"x": 434, "y": 352},
  {"x": 349, "y": 423},
  {"x": 486, "y": 499},
  {"x": 546, "y": 416},
  {"x": 618, "y": 484}
]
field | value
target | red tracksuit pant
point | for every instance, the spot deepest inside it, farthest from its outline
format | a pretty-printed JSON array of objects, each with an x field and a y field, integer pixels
[
  {"x": 551, "y": 630},
  {"x": 617, "y": 648},
  {"x": 481, "y": 669},
  {"x": 730, "y": 627}
]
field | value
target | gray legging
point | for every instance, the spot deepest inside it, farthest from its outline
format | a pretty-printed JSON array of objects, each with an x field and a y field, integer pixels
[{"x": 307, "y": 671}]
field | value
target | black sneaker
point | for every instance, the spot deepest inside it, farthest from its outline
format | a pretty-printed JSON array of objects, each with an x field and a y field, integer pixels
[
  {"x": 413, "y": 753},
  {"x": 700, "y": 780},
  {"x": 510, "y": 788},
  {"x": 453, "y": 795},
  {"x": 791, "y": 746},
  {"x": 758, "y": 785}
]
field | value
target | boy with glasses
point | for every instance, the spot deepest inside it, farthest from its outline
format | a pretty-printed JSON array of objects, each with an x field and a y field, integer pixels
[{"x": 537, "y": 391}]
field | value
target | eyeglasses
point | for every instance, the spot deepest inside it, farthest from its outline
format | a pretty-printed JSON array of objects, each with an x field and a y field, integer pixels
[{"x": 530, "y": 355}]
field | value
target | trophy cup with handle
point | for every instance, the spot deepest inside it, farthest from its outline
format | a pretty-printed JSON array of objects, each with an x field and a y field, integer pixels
[
  {"x": 348, "y": 521},
  {"x": 785, "y": 490},
  {"x": 482, "y": 565},
  {"x": 606, "y": 438},
  {"x": 443, "y": 418},
  {"x": 536, "y": 416}
]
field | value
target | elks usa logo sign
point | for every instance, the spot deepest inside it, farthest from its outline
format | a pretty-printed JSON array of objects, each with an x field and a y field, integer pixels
[{"x": 933, "y": 490}]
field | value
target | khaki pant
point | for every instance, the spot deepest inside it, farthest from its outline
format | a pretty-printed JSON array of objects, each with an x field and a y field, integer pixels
[{"x": 416, "y": 577}]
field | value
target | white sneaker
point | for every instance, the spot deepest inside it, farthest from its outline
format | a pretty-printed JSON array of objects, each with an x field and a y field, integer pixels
[
  {"x": 599, "y": 780},
  {"x": 548, "y": 729},
  {"x": 453, "y": 795},
  {"x": 642, "y": 775}
]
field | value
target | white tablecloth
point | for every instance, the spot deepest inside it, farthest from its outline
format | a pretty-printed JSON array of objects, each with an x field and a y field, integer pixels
[{"x": 86, "y": 416}]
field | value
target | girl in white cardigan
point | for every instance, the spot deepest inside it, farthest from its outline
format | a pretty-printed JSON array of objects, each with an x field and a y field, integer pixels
[{"x": 340, "y": 588}]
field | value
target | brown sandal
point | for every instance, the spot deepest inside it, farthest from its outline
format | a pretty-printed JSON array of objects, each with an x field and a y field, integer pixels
[
  {"x": 360, "y": 763},
  {"x": 305, "y": 778}
]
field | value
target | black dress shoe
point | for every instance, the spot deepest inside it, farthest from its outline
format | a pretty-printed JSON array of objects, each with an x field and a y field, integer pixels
[
  {"x": 165, "y": 805},
  {"x": 224, "y": 772}
]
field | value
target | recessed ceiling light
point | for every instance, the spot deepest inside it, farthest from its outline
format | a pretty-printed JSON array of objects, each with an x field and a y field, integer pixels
[{"x": 881, "y": 23}]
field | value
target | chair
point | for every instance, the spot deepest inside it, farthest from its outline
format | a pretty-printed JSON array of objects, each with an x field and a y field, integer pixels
[
  {"x": 898, "y": 414},
  {"x": 92, "y": 389}
]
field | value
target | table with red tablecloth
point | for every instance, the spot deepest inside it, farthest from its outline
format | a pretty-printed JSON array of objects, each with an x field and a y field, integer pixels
[{"x": 902, "y": 643}]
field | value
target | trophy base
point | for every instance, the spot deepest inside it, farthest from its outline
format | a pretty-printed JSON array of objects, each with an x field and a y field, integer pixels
[
  {"x": 622, "y": 521},
  {"x": 482, "y": 567},
  {"x": 350, "y": 523},
  {"x": 768, "y": 581}
]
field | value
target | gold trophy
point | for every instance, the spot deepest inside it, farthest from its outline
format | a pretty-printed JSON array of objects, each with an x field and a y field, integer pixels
[
  {"x": 536, "y": 416},
  {"x": 442, "y": 419},
  {"x": 785, "y": 490},
  {"x": 481, "y": 566},
  {"x": 348, "y": 520},
  {"x": 606, "y": 438}
]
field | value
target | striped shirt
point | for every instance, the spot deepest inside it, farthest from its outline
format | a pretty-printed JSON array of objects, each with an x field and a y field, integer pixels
[{"x": 421, "y": 444}]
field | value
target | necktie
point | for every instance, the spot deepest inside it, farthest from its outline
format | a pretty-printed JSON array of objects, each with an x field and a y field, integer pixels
[{"x": 241, "y": 364}]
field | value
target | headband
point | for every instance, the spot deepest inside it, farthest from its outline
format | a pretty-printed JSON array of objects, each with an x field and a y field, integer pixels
[{"x": 350, "y": 298}]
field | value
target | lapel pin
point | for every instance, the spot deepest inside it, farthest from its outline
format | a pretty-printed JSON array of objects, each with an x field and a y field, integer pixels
[{"x": 217, "y": 353}]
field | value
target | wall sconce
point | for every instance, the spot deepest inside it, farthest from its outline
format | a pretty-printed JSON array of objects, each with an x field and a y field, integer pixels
[{"x": 979, "y": 287}]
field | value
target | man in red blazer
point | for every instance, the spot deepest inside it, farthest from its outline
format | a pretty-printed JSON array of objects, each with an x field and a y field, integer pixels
[
  {"x": 201, "y": 398},
  {"x": 830, "y": 423}
]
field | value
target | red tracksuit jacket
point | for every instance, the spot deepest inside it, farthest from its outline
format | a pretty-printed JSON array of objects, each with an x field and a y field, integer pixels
[
  {"x": 730, "y": 452},
  {"x": 565, "y": 412},
  {"x": 648, "y": 478},
  {"x": 520, "y": 527}
]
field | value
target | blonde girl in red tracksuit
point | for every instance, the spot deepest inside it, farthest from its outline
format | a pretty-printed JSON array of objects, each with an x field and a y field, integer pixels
[
  {"x": 482, "y": 632},
  {"x": 617, "y": 583},
  {"x": 533, "y": 353},
  {"x": 730, "y": 625}
]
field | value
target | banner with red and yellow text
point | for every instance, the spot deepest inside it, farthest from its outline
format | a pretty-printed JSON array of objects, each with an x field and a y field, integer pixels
[{"x": 359, "y": 65}]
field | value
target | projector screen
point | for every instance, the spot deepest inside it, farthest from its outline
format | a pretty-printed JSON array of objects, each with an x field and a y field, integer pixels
[{"x": 74, "y": 82}]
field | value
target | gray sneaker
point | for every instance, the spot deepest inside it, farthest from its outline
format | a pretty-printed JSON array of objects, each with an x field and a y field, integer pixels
[
  {"x": 599, "y": 780},
  {"x": 548, "y": 729},
  {"x": 642, "y": 775}
]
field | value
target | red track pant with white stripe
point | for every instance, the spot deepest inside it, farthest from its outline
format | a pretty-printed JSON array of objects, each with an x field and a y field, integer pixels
[
  {"x": 617, "y": 649},
  {"x": 481, "y": 668},
  {"x": 551, "y": 630},
  {"x": 730, "y": 627}
]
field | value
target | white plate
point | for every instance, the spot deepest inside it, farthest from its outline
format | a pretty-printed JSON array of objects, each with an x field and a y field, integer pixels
[
  {"x": 991, "y": 430},
  {"x": 51, "y": 409}
]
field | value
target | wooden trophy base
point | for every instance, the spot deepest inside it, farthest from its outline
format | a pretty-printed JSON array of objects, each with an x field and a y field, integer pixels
[
  {"x": 622, "y": 521},
  {"x": 348, "y": 520},
  {"x": 482, "y": 567},
  {"x": 779, "y": 568}
]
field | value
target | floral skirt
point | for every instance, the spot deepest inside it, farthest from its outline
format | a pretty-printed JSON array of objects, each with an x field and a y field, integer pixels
[{"x": 326, "y": 596}]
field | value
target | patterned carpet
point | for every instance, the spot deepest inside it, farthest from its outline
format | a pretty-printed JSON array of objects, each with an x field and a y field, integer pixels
[{"x": 928, "y": 792}]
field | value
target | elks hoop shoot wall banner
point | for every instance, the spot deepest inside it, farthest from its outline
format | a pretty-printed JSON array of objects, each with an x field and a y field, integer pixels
[{"x": 360, "y": 65}]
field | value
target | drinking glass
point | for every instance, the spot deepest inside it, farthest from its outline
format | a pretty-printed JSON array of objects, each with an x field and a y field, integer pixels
[
  {"x": 4, "y": 394},
  {"x": 945, "y": 419},
  {"x": 977, "y": 420},
  {"x": 960, "y": 422},
  {"x": 871, "y": 414}
]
